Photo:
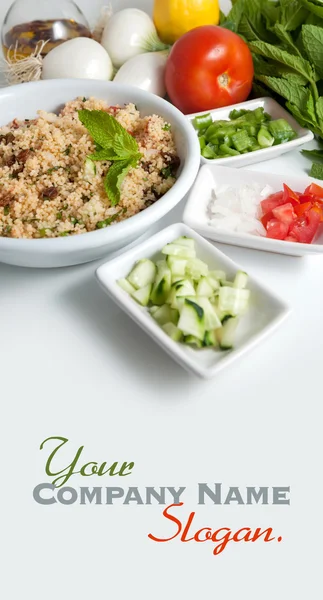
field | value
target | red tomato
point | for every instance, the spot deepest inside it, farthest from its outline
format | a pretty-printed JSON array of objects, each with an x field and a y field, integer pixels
[
  {"x": 290, "y": 195},
  {"x": 290, "y": 238},
  {"x": 302, "y": 208},
  {"x": 267, "y": 217},
  {"x": 284, "y": 213},
  {"x": 276, "y": 229},
  {"x": 306, "y": 226},
  {"x": 314, "y": 190},
  {"x": 208, "y": 67},
  {"x": 271, "y": 202}
]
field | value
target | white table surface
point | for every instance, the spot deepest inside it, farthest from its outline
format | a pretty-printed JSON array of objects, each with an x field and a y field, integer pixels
[{"x": 72, "y": 364}]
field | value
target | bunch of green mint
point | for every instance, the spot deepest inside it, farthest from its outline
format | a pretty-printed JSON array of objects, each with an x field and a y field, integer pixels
[
  {"x": 113, "y": 143},
  {"x": 286, "y": 41}
]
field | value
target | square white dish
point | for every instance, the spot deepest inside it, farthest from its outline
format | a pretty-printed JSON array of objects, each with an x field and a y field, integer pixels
[
  {"x": 276, "y": 112},
  {"x": 266, "y": 311},
  {"x": 210, "y": 176}
]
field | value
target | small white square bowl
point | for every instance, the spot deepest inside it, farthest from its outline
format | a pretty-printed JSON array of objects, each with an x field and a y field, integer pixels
[
  {"x": 266, "y": 311},
  {"x": 211, "y": 176},
  {"x": 276, "y": 112}
]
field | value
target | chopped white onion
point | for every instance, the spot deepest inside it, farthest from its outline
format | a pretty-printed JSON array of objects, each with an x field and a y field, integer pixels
[{"x": 238, "y": 209}]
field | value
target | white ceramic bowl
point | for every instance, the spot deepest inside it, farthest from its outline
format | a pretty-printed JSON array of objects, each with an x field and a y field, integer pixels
[
  {"x": 266, "y": 313},
  {"x": 23, "y": 101},
  {"x": 211, "y": 176},
  {"x": 277, "y": 112}
]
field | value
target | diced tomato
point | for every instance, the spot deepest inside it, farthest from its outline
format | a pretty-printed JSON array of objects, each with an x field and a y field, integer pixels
[
  {"x": 302, "y": 208},
  {"x": 305, "y": 227},
  {"x": 271, "y": 202},
  {"x": 284, "y": 213},
  {"x": 290, "y": 196},
  {"x": 314, "y": 190},
  {"x": 319, "y": 209},
  {"x": 277, "y": 230},
  {"x": 267, "y": 217},
  {"x": 290, "y": 238}
]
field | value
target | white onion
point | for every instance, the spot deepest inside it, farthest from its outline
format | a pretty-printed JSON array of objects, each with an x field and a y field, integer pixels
[
  {"x": 127, "y": 33},
  {"x": 238, "y": 209},
  {"x": 145, "y": 71},
  {"x": 80, "y": 58}
]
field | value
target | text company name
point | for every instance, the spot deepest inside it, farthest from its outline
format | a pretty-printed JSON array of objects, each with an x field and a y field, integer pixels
[{"x": 48, "y": 494}]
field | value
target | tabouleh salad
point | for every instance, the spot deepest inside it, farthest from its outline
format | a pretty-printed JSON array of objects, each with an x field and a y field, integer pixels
[{"x": 84, "y": 169}]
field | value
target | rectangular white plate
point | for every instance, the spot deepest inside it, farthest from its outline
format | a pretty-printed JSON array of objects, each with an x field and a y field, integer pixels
[
  {"x": 277, "y": 112},
  {"x": 266, "y": 311},
  {"x": 195, "y": 213}
]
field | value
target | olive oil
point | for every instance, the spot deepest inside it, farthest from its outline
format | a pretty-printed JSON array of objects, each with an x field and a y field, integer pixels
[{"x": 26, "y": 36}]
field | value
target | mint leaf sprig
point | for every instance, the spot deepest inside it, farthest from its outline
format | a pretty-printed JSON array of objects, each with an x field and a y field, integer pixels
[{"x": 114, "y": 144}]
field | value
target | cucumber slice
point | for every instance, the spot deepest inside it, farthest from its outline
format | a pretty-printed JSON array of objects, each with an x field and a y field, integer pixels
[
  {"x": 204, "y": 288},
  {"x": 142, "y": 296},
  {"x": 191, "y": 320},
  {"x": 126, "y": 286},
  {"x": 179, "y": 251},
  {"x": 225, "y": 283},
  {"x": 191, "y": 340},
  {"x": 142, "y": 274},
  {"x": 196, "y": 268},
  {"x": 233, "y": 301},
  {"x": 173, "y": 331},
  {"x": 180, "y": 289},
  {"x": 240, "y": 280},
  {"x": 211, "y": 319},
  {"x": 153, "y": 310},
  {"x": 214, "y": 283},
  {"x": 165, "y": 314},
  {"x": 178, "y": 303},
  {"x": 226, "y": 334},
  {"x": 89, "y": 169},
  {"x": 217, "y": 275},
  {"x": 176, "y": 265},
  {"x": 210, "y": 339},
  {"x": 162, "y": 286},
  {"x": 185, "y": 241}
]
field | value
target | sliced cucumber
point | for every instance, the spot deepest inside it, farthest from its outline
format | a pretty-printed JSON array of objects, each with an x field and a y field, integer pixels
[
  {"x": 191, "y": 340},
  {"x": 204, "y": 288},
  {"x": 217, "y": 275},
  {"x": 191, "y": 320},
  {"x": 153, "y": 309},
  {"x": 178, "y": 303},
  {"x": 196, "y": 268},
  {"x": 173, "y": 331},
  {"x": 225, "y": 283},
  {"x": 233, "y": 301},
  {"x": 142, "y": 274},
  {"x": 211, "y": 319},
  {"x": 89, "y": 169},
  {"x": 162, "y": 285},
  {"x": 126, "y": 286},
  {"x": 210, "y": 339},
  {"x": 177, "y": 265},
  {"x": 165, "y": 314},
  {"x": 179, "y": 251},
  {"x": 226, "y": 334},
  {"x": 142, "y": 296},
  {"x": 214, "y": 283},
  {"x": 185, "y": 241},
  {"x": 240, "y": 280}
]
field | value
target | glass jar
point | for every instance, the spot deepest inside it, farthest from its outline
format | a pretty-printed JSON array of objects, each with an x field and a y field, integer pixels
[{"x": 29, "y": 22}]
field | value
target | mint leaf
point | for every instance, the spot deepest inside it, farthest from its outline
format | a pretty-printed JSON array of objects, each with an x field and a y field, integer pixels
[
  {"x": 106, "y": 131},
  {"x": 293, "y": 14},
  {"x": 105, "y": 154},
  {"x": 298, "y": 64},
  {"x": 285, "y": 37},
  {"x": 312, "y": 38},
  {"x": 314, "y": 155},
  {"x": 115, "y": 177},
  {"x": 290, "y": 91},
  {"x": 319, "y": 108},
  {"x": 312, "y": 7},
  {"x": 316, "y": 171}
]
